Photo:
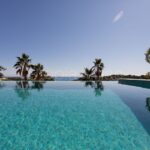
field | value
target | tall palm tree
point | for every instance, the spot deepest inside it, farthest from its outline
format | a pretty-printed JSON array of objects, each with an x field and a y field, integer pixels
[
  {"x": 23, "y": 65},
  {"x": 1, "y": 69},
  {"x": 87, "y": 75},
  {"x": 98, "y": 67},
  {"x": 147, "y": 55},
  {"x": 38, "y": 72}
]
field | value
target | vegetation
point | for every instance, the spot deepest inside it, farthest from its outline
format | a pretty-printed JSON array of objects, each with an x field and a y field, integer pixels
[
  {"x": 98, "y": 68},
  {"x": 1, "y": 69},
  {"x": 38, "y": 72},
  {"x": 119, "y": 76},
  {"x": 23, "y": 65},
  {"x": 88, "y": 73},
  {"x": 93, "y": 73},
  {"x": 147, "y": 55}
]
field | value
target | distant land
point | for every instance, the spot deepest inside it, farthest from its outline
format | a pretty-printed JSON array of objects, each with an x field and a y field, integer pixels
[
  {"x": 15, "y": 78},
  {"x": 104, "y": 78}
]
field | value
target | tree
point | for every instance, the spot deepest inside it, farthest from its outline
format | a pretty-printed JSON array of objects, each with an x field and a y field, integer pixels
[
  {"x": 98, "y": 68},
  {"x": 38, "y": 72},
  {"x": 147, "y": 55},
  {"x": 87, "y": 75},
  {"x": 1, "y": 69},
  {"x": 23, "y": 65}
]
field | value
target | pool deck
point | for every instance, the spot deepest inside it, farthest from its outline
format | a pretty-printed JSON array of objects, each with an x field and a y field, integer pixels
[{"x": 136, "y": 82}]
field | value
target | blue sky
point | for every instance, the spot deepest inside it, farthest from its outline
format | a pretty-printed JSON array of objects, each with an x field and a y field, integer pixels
[{"x": 67, "y": 35}]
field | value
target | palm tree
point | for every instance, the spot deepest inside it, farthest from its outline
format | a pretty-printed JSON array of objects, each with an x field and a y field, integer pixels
[
  {"x": 23, "y": 65},
  {"x": 38, "y": 72},
  {"x": 87, "y": 75},
  {"x": 1, "y": 69},
  {"x": 98, "y": 67},
  {"x": 147, "y": 55}
]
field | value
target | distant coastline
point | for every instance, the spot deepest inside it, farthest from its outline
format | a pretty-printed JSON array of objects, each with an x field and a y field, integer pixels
[
  {"x": 70, "y": 78},
  {"x": 57, "y": 78}
]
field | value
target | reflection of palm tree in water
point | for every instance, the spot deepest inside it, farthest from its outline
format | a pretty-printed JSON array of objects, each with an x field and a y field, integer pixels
[
  {"x": 97, "y": 85},
  {"x": 148, "y": 103},
  {"x": 2, "y": 85},
  {"x": 99, "y": 88},
  {"x": 37, "y": 85},
  {"x": 22, "y": 89},
  {"x": 22, "y": 84},
  {"x": 89, "y": 84}
]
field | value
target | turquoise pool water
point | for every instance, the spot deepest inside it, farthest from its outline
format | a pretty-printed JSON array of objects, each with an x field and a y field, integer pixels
[{"x": 73, "y": 116}]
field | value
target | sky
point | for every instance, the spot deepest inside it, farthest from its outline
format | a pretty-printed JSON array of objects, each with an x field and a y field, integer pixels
[{"x": 67, "y": 35}]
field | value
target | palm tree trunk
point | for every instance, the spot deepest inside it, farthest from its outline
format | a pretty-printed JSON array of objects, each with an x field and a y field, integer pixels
[{"x": 25, "y": 78}]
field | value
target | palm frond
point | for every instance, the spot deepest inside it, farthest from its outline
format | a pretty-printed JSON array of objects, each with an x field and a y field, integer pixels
[
  {"x": 147, "y": 56},
  {"x": 23, "y": 65}
]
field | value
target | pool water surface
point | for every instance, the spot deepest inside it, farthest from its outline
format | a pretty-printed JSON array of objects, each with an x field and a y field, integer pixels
[{"x": 74, "y": 115}]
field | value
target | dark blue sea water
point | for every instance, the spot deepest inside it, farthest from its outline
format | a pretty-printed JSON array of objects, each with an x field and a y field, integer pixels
[{"x": 65, "y": 78}]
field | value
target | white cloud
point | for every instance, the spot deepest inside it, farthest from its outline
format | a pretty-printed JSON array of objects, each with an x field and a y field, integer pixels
[{"x": 118, "y": 16}]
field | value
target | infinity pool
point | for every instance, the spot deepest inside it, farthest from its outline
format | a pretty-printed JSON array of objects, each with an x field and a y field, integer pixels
[{"x": 74, "y": 116}]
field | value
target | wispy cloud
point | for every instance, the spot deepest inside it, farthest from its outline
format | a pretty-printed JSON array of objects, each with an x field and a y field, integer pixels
[{"x": 118, "y": 16}]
